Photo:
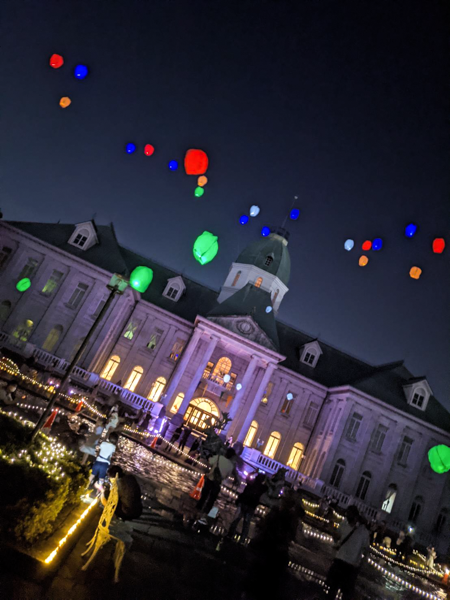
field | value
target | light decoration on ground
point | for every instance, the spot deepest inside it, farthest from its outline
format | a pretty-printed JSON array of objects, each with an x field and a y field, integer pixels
[
  {"x": 206, "y": 247},
  {"x": 71, "y": 531},
  {"x": 402, "y": 581}
]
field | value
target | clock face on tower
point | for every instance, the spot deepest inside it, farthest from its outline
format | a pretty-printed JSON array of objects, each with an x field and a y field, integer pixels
[{"x": 245, "y": 327}]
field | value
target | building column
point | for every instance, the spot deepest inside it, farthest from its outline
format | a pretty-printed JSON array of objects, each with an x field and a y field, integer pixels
[
  {"x": 198, "y": 375},
  {"x": 181, "y": 367},
  {"x": 256, "y": 402},
  {"x": 240, "y": 393}
]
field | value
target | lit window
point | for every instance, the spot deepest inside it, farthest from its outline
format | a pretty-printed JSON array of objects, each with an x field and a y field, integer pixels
[
  {"x": 416, "y": 509},
  {"x": 295, "y": 456},
  {"x": 52, "y": 338},
  {"x": 267, "y": 392},
  {"x": 378, "y": 438},
  {"x": 268, "y": 261},
  {"x": 28, "y": 269},
  {"x": 207, "y": 372},
  {"x": 353, "y": 426},
  {"x": 388, "y": 502},
  {"x": 178, "y": 402},
  {"x": 251, "y": 434},
  {"x": 78, "y": 295},
  {"x": 5, "y": 309},
  {"x": 81, "y": 238},
  {"x": 222, "y": 368},
  {"x": 23, "y": 331},
  {"x": 418, "y": 399},
  {"x": 134, "y": 378},
  {"x": 338, "y": 471},
  {"x": 236, "y": 278},
  {"x": 363, "y": 485},
  {"x": 5, "y": 253},
  {"x": 272, "y": 444},
  {"x": 311, "y": 414},
  {"x": 287, "y": 404},
  {"x": 177, "y": 349},
  {"x": 110, "y": 368},
  {"x": 405, "y": 449},
  {"x": 131, "y": 330},
  {"x": 52, "y": 282},
  {"x": 258, "y": 282},
  {"x": 154, "y": 339},
  {"x": 157, "y": 389}
]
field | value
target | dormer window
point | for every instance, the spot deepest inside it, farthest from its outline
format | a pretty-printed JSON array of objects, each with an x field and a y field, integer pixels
[
  {"x": 81, "y": 238},
  {"x": 174, "y": 288},
  {"x": 310, "y": 357},
  {"x": 417, "y": 392},
  {"x": 268, "y": 261},
  {"x": 418, "y": 398},
  {"x": 173, "y": 292},
  {"x": 310, "y": 353},
  {"x": 84, "y": 236}
]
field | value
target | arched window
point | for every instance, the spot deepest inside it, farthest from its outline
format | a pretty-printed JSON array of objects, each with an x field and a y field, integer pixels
[
  {"x": 416, "y": 508},
  {"x": 157, "y": 389},
  {"x": 5, "y": 309},
  {"x": 338, "y": 471},
  {"x": 236, "y": 278},
  {"x": 110, "y": 368},
  {"x": 52, "y": 338},
  {"x": 258, "y": 282},
  {"x": 268, "y": 261},
  {"x": 389, "y": 499},
  {"x": 295, "y": 456},
  {"x": 251, "y": 434},
  {"x": 134, "y": 378},
  {"x": 272, "y": 444},
  {"x": 363, "y": 485},
  {"x": 275, "y": 296},
  {"x": 441, "y": 520},
  {"x": 222, "y": 368},
  {"x": 177, "y": 403},
  {"x": 23, "y": 331},
  {"x": 201, "y": 413}
]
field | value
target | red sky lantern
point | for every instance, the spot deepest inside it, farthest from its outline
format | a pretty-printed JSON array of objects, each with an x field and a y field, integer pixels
[
  {"x": 56, "y": 61},
  {"x": 367, "y": 245},
  {"x": 195, "y": 162},
  {"x": 438, "y": 245},
  {"x": 148, "y": 149}
]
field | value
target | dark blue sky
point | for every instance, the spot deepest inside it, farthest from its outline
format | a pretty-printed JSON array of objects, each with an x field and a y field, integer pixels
[{"x": 344, "y": 104}]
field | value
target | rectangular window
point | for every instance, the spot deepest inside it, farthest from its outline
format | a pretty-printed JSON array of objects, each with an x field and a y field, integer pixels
[
  {"x": 172, "y": 292},
  {"x": 80, "y": 240},
  {"x": 52, "y": 282},
  {"x": 287, "y": 405},
  {"x": 405, "y": 449},
  {"x": 311, "y": 414},
  {"x": 131, "y": 329},
  {"x": 154, "y": 339},
  {"x": 5, "y": 253},
  {"x": 418, "y": 400},
  {"x": 100, "y": 305},
  {"x": 378, "y": 438},
  {"x": 28, "y": 269},
  {"x": 177, "y": 349},
  {"x": 267, "y": 392},
  {"x": 309, "y": 358},
  {"x": 78, "y": 295},
  {"x": 207, "y": 372},
  {"x": 353, "y": 426}
]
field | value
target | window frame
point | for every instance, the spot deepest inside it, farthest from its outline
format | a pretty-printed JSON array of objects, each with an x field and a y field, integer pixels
[
  {"x": 134, "y": 378},
  {"x": 405, "y": 447},
  {"x": 56, "y": 328},
  {"x": 313, "y": 409},
  {"x": 29, "y": 268},
  {"x": 108, "y": 375},
  {"x": 157, "y": 389},
  {"x": 251, "y": 434},
  {"x": 274, "y": 442},
  {"x": 155, "y": 336},
  {"x": 353, "y": 427},
  {"x": 258, "y": 282},
  {"x": 77, "y": 295},
  {"x": 5, "y": 254},
  {"x": 294, "y": 460},
  {"x": 53, "y": 282},
  {"x": 363, "y": 485},
  {"x": 337, "y": 473},
  {"x": 129, "y": 331},
  {"x": 379, "y": 434}
]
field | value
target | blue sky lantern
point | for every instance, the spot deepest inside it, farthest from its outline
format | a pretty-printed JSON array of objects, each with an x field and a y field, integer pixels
[
  {"x": 268, "y": 309},
  {"x": 81, "y": 71},
  {"x": 254, "y": 210},
  {"x": 243, "y": 220},
  {"x": 410, "y": 230},
  {"x": 173, "y": 165},
  {"x": 130, "y": 148},
  {"x": 295, "y": 213},
  {"x": 141, "y": 278},
  {"x": 377, "y": 244},
  {"x": 349, "y": 244},
  {"x": 265, "y": 231}
]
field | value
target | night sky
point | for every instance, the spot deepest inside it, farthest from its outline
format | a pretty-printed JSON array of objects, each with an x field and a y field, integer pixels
[{"x": 342, "y": 103}]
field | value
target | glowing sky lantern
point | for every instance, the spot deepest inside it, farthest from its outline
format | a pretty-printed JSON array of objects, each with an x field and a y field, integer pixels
[
  {"x": 202, "y": 180},
  {"x": 148, "y": 149},
  {"x": 239, "y": 386},
  {"x": 363, "y": 260},
  {"x": 410, "y": 230},
  {"x": 367, "y": 245},
  {"x": 205, "y": 247},
  {"x": 243, "y": 220},
  {"x": 65, "y": 102},
  {"x": 439, "y": 457},
  {"x": 199, "y": 191},
  {"x": 254, "y": 210},
  {"x": 294, "y": 214},
  {"x": 289, "y": 396},
  {"x": 56, "y": 61},
  {"x": 141, "y": 278},
  {"x": 226, "y": 378},
  {"x": 130, "y": 148},
  {"x": 269, "y": 309},
  {"x": 23, "y": 284},
  {"x": 195, "y": 162},
  {"x": 81, "y": 71},
  {"x": 377, "y": 244},
  {"x": 265, "y": 231},
  {"x": 349, "y": 244},
  {"x": 173, "y": 165},
  {"x": 438, "y": 245},
  {"x": 415, "y": 272}
]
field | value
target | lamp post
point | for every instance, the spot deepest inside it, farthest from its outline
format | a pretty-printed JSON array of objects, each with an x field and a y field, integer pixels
[{"x": 117, "y": 287}]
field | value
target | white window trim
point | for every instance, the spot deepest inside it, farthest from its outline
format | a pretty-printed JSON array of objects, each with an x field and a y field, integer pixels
[
  {"x": 176, "y": 283},
  {"x": 421, "y": 387},
  {"x": 311, "y": 348},
  {"x": 84, "y": 228}
]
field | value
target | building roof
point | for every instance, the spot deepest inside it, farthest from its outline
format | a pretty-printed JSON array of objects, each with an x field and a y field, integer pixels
[
  {"x": 334, "y": 368},
  {"x": 274, "y": 245}
]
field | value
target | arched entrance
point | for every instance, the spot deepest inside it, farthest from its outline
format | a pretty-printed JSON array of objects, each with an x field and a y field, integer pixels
[{"x": 199, "y": 412}]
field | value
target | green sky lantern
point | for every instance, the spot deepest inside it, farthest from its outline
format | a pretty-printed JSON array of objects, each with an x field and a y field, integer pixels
[
  {"x": 439, "y": 457},
  {"x": 199, "y": 191},
  {"x": 23, "y": 284},
  {"x": 205, "y": 247},
  {"x": 141, "y": 278}
]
